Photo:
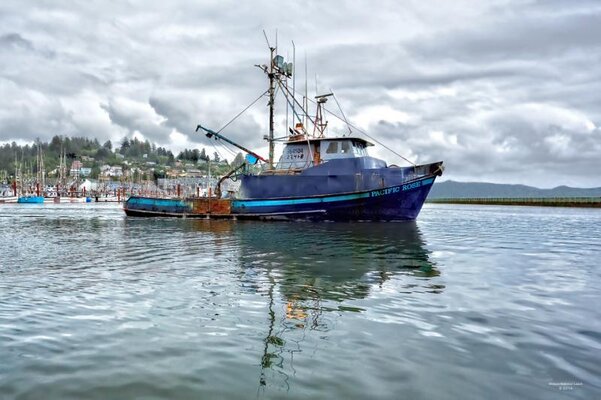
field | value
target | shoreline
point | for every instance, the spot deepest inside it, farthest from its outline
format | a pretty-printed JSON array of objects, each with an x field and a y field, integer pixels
[{"x": 580, "y": 202}]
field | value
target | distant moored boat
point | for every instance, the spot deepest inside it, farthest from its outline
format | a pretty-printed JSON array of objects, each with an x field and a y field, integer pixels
[{"x": 31, "y": 199}]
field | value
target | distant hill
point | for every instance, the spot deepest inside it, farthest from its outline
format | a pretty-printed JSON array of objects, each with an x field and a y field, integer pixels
[{"x": 452, "y": 189}]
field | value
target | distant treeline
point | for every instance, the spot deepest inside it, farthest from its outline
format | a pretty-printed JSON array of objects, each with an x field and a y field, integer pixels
[
  {"x": 85, "y": 149},
  {"x": 584, "y": 202},
  {"x": 476, "y": 190}
]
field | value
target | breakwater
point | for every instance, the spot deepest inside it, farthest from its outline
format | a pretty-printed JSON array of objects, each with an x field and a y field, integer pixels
[{"x": 587, "y": 202}]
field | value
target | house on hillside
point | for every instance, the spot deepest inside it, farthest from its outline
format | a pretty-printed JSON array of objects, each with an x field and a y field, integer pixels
[
  {"x": 75, "y": 167},
  {"x": 194, "y": 173},
  {"x": 111, "y": 172}
]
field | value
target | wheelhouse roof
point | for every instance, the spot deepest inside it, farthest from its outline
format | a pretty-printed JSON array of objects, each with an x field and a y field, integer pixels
[{"x": 331, "y": 139}]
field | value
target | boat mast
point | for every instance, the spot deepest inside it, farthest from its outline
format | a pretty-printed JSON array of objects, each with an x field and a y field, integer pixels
[
  {"x": 16, "y": 175},
  {"x": 276, "y": 72},
  {"x": 293, "y": 79},
  {"x": 40, "y": 166},
  {"x": 271, "y": 105}
]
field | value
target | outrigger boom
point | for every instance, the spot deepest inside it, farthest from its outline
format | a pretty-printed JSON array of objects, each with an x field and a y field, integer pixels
[{"x": 210, "y": 133}]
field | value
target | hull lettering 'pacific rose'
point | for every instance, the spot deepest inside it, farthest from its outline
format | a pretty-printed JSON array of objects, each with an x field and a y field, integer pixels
[{"x": 384, "y": 192}]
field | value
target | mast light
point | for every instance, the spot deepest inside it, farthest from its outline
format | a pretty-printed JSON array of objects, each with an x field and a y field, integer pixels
[
  {"x": 279, "y": 62},
  {"x": 282, "y": 66}
]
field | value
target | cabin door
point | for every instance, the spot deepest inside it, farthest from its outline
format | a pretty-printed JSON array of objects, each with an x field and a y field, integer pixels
[{"x": 316, "y": 154}]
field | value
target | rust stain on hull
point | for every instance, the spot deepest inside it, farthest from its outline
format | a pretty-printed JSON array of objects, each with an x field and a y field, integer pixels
[{"x": 212, "y": 206}]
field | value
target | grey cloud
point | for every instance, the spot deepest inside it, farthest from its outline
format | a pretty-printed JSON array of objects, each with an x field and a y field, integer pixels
[
  {"x": 42, "y": 118},
  {"x": 466, "y": 75},
  {"x": 551, "y": 152},
  {"x": 14, "y": 41},
  {"x": 185, "y": 114},
  {"x": 132, "y": 120},
  {"x": 178, "y": 115},
  {"x": 517, "y": 38}
]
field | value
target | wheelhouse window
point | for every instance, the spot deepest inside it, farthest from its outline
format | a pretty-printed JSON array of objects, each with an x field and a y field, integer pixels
[
  {"x": 359, "y": 149},
  {"x": 332, "y": 148},
  {"x": 342, "y": 148}
]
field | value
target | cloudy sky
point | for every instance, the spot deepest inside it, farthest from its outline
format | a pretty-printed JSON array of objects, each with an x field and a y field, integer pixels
[{"x": 503, "y": 90}]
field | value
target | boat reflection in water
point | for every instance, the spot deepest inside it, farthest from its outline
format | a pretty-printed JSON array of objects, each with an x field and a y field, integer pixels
[{"x": 313, "y": 275}]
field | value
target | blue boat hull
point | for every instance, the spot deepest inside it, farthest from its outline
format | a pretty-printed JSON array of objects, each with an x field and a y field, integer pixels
[
  {"x": 31, "y": 200},
  {"x": 393, "y": 203}
]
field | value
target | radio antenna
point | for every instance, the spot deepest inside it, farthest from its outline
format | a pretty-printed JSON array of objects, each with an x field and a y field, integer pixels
[
  {"x": 342, "y": 112},
  {"x": 293, "y": 77},
  {"x": 267, "y": 40}
]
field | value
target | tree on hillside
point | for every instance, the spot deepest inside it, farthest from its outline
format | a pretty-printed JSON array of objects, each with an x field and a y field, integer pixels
[
  {"x": 171, "y": 157},
  {"x": 77, "y": 147},
  {"x": 146, "y": 148},
  {"x": 195, "y": 156},
  {"x": 103, "y": 153},
  {"x": 124, "y": 146},
  {"x": 55, "y": 144}
]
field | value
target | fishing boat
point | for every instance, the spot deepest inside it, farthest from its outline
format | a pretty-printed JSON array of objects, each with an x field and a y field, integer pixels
[
  {"x": 316, "y": 177},
  {"x": 30, "y": 199},
  {"x": 38, "y": 197}
]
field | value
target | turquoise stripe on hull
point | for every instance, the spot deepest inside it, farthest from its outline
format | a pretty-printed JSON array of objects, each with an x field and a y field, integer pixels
[
  {"x": 271, "y": 203},
  {"x": 146, "y": 201}
]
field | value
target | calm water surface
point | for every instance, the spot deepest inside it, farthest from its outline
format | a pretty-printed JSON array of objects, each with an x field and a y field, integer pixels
[{"x": 470, "y": 302}]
